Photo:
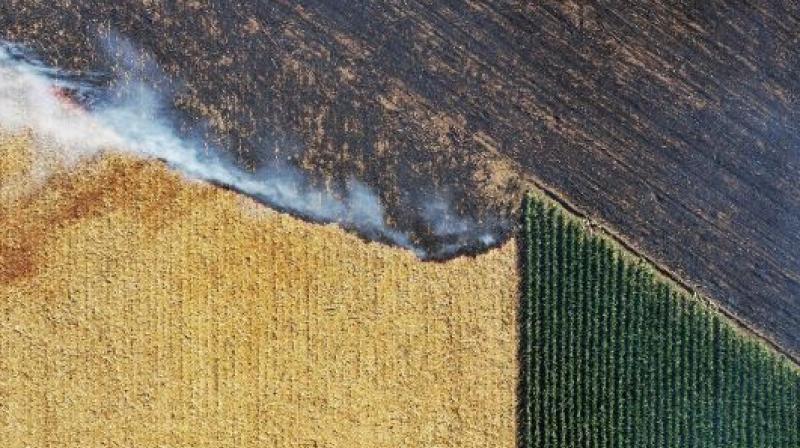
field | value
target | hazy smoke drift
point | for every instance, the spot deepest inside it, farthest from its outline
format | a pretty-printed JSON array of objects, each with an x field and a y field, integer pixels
[{"x": 130, "y": 115}]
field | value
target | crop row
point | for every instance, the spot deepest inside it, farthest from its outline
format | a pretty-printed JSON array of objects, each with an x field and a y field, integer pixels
[{"x": 611, "y": 356}]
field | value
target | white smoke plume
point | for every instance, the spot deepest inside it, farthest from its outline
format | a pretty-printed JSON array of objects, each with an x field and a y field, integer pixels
[
  {"x": 131, "y": 116},
  {"x": 456, "y": 231}
]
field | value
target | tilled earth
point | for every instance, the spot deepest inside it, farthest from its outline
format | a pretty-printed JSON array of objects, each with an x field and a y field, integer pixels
[{"x": 672, "y": 123}]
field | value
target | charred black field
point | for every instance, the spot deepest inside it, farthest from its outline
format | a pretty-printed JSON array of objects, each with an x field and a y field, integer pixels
[{"x": 673, "y": 124}]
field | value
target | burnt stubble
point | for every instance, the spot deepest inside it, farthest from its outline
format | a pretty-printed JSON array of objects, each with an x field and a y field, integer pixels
[{"x": 672, "y": 123}]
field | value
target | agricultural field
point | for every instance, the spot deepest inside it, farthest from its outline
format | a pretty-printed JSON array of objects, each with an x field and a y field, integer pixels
[
  {"x": 671, "y": 122},
  {"x": 138, "y": 308},
  {"x": 613, "y": 355},
  {"x": 298, "y": 224}
]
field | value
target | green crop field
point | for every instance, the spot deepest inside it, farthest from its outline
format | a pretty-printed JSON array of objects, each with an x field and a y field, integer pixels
[{"x": 613, "y": 356}]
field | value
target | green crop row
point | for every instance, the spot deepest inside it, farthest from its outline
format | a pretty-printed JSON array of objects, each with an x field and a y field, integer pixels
[{"x": 611, "y": 356}]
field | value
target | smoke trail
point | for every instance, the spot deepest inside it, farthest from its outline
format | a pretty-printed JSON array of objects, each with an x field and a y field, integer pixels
[
  {"x": 84, "y": 114},
  {"x": 456, "y": 232},
  {"x": 131, "y": 117}
]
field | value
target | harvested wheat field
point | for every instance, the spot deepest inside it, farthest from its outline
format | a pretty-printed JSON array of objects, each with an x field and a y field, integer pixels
[{"x": 141, "y": 309}]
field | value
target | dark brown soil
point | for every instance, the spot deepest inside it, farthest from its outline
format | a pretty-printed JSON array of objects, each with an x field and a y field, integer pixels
[{"x": 674, "y": 123}]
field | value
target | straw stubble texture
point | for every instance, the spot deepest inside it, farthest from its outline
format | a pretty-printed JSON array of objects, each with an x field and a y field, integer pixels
[{"x": 141, "y": 309}]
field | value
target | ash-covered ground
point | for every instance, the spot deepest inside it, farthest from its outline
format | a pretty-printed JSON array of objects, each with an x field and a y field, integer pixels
[{"x": 673, "y": 123}]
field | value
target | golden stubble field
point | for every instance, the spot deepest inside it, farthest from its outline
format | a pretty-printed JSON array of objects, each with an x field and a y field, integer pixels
[{"x": 139, "y": 309}]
